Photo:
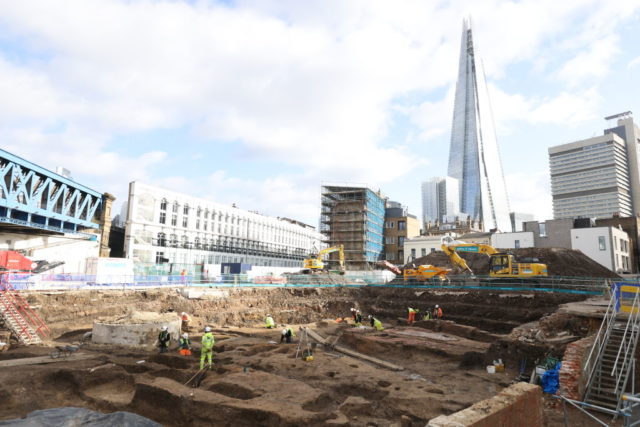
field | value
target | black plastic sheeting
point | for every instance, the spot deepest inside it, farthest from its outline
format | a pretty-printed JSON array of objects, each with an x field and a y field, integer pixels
[{"x": 75, "y": 417}]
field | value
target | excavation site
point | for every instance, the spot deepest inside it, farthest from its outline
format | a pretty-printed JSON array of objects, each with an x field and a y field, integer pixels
[{"x": 470, "y": 364}]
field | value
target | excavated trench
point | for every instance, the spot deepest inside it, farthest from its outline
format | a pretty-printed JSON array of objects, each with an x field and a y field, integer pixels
[{"x": 257, "y": 382}]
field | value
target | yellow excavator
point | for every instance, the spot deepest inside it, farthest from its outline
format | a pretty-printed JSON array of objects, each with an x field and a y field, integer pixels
[
  {"x": 315, "y": 262},
  {"x": 501, "y": 264},
  {"x": 425, "y": 273}
]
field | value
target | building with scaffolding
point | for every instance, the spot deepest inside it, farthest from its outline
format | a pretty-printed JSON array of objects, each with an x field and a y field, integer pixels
[{"x": 353, "y": 216}]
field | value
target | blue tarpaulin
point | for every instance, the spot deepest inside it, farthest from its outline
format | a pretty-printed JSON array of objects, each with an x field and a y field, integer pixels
[{"x": 550, "y": 380}]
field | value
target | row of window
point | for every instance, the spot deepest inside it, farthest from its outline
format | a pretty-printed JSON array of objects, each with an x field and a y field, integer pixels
[
  {"x": 391, "y": 240},
  {"x": 402, "y": 225},
  {"x": 228, "y": 245}
]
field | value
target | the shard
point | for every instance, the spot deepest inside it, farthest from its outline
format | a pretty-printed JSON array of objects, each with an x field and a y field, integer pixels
[{"x": 474, "y": 158}]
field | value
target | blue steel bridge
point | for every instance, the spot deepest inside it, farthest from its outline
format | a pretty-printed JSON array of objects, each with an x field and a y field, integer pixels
[{"x": 35, "y": 199}]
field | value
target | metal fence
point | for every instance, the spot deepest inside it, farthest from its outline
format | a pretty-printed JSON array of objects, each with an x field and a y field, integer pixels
[{"x": 588, "y": 286}]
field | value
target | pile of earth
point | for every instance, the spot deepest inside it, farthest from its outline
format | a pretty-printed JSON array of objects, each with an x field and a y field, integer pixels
[{"x": 559, "y": 261}]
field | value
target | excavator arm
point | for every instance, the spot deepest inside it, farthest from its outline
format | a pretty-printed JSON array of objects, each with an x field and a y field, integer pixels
[{"x": 451, "y": 247}]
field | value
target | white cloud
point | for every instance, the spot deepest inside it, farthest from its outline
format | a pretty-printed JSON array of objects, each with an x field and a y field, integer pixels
[
  {"x": 594, "y": 62},
  {"x": 530, "y": 193},
  {"x": 311, "y": 85},
  {"x": 634, "y": 62}
]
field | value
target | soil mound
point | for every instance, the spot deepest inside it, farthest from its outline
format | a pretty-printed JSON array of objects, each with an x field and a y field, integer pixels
[{"x": 560, "y": 262}]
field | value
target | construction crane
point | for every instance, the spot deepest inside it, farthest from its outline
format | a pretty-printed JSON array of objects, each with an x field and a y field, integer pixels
[
  {"x": 501, "y": 264},
  {"x": 315, "y": 262}
]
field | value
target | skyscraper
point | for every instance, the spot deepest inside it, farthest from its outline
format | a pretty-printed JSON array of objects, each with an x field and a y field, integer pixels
[
  {"x": 598, "y": 177},
  {"x": 474, "y": 159},
  {"x": 440, "y": 199}
]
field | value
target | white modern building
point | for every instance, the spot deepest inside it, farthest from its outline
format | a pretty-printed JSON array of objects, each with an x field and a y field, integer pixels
[
  {"x": 440, "y": 199},
  {"x": 169, "y": 232},
  {"x": 598, "y": 177},
  {"x": 517, "y": 220},
  {"x": 517, "y": 240},
  {"x": 608, "y": 246},
  {"x": 420, "y": 246}
]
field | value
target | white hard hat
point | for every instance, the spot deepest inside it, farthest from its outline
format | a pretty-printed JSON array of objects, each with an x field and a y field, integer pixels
[
  {"x": 353, "y": 309},
  {"x": 184, "y": 312},
  {"x": 164, "y": 328},
  {"x": 437, "y": 306},
  {"x": 207, "y": 329},
  {"x": 185, "y": 335}
]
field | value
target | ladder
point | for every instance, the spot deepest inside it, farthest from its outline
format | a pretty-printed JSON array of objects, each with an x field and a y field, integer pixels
[
  {"x": 614, "y": 368},
  {"x": 18, "y": 316}
]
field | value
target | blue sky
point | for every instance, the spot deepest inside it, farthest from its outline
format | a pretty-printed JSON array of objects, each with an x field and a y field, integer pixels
[{"x": 259, "y": 102}]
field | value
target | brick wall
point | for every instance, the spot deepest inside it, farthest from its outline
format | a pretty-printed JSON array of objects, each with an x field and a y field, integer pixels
[
  {"x": 517, "y": 405},
  {"x": 572, "y": 377}
]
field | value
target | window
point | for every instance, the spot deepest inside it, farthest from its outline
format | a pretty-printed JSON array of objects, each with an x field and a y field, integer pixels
[
  {"x": 402, "y": 225},
  {"x": 602, "y": 243},
  {"x": 174, "y": 219},
  {"x": 163, "y": 218},
  {"x": 423, "y": 252},
  {"x": 389, "y": 224},
  {"x": 516, "y": 244},
  {"x": 206, "y": 214},
  {"x": 185, "y": 211},
  {"x": 543, "y": 229},
  {"x": 175, "y": 207},
  {"x": 159, "y": 257},
  {"x": 162, "y": 240},
  {"x": 185, "y": 221},
  {"x": 390, "y": 240},
  {"x": 204, "y": 225},
  {"x": 401, "y": 241},
  {"x": 391, "y": 256},
  {"x": 199, "y": 212},
  {"x": 163, "y": 205},
  {"x": 197, "y": 242},
  {"x": 433, "y": 250},
  {"x": 198, "y": 224},
  {"x": 413, "y": 253},
  {"x": 615, "y": 243}
]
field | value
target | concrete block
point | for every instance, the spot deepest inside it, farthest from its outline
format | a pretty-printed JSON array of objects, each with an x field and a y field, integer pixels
[{"x": 140, "y": 330}]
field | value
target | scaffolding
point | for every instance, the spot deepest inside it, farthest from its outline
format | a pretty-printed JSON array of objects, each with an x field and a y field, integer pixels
[{"x": 353, "y": 216}]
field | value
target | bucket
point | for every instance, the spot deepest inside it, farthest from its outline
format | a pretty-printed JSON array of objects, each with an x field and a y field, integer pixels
[
  {"x": 540, "y": 370},
  {"x": 491, "y": 369}
]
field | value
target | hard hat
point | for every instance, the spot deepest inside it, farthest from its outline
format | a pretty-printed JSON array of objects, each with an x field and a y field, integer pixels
[
  {"x": 164, "y": 328},
  {"x": 437, "y": 306},
  {"x": 353, "y": 309},
  {"x": 207, "y": 329},
  {"x": 369, "y": 316},
  {"x": 183, "y": 313},
  {"x": 185, "y": 335}
]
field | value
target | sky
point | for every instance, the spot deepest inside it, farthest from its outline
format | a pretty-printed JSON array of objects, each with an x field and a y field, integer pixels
[{"x": 259, "y": 102}]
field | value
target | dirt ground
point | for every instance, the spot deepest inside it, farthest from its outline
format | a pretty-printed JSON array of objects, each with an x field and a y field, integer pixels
[{"x": 259, "y": 381}]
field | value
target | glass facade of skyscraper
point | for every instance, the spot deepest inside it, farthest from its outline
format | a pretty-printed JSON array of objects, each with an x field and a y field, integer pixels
[{"x": 474, "y": 159}]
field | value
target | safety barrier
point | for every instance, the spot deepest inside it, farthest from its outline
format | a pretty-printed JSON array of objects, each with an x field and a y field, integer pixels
[{"x": 587, "y": 286}]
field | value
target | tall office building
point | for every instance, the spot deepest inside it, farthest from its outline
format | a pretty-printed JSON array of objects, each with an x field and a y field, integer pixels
[
  {"x": 474, "y": 159},
  {"x": 598, "y": 177},
  {"x": 440, "y": 199}
]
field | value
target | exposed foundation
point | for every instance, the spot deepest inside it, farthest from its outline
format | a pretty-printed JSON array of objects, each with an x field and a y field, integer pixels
[
  {"x": 258, "y": 381},
  {"x": 138, "y": 330}
]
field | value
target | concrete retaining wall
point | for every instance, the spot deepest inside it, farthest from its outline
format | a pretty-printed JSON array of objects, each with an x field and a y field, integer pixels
[
  {"x": 517, "y": 405},
  {"x": 141, "y": 335}
]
